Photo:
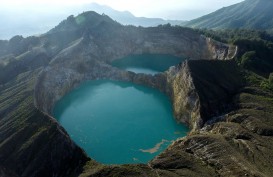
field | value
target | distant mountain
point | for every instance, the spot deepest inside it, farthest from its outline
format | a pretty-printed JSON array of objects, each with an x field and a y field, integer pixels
[
  {"x": 127, "y": 18},
  {"x": 249, "y": 14},
  {"x": 228, "y": 110},
  {"x": 37, "y": 22}
]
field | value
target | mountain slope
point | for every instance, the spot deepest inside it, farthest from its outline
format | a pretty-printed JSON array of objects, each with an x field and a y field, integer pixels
[
  {"x": 249, "y": 14},
  {"x": 30, "y": 23},
  {"x": 127, "y": 18},
  {"x": 232, "y": 127}
]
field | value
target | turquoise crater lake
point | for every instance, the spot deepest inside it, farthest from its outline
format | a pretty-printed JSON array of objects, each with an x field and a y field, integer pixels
[
  {"x": 118, "y": 122},
  {"x": 147, "y": 63}
]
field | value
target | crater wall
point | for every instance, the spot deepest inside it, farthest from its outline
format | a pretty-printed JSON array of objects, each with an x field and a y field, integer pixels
[
  {"x": 87, "y": 58},
  {"x": 231, "y": 126}
]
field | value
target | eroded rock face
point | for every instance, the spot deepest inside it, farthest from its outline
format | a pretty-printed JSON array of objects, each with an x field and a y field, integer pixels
[
  {"x": 181, "y": 89},
  {"x": 179, "y": 83},
  {"x": 86, "y": 58},
  {"x": 98, "y": 40},
  {"x": 229, "y": 137},
  {"x": 202, "y": 89}
]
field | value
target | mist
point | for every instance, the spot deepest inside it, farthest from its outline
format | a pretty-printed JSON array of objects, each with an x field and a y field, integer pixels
[{"x": 28, "y": 17}]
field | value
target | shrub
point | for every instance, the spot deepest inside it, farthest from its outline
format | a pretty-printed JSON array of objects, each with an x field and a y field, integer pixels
[
  {"x": 248, "y": 59},
  {"x": 270, "y": 79}
]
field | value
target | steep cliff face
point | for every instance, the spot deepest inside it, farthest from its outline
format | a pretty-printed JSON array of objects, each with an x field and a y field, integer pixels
[
  {"x": 202, "y": 89},
  {"x": 229, "y": 137},
  {"x": 110, "y": 40},
  {"x": 221, "y": 51},
  {"x": 87, "y": 56},
  {"x": 233, "y": 140},
  {"x": 237, "y": 143},
  {"x": 185, "y": 98},
  {"x": 178, "y": 83}
]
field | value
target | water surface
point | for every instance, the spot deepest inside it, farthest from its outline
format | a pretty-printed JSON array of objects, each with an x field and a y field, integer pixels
[
  {"x": 118, "y": 122},
  {"x": 147, "y": 63}
]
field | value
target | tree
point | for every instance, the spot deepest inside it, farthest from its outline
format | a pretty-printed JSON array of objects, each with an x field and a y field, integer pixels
[{"x": 248, "y": 59}]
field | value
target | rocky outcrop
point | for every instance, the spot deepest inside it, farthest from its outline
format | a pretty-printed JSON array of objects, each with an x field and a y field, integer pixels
[
  {"x": 230, "y": 136},
  {"x": 220, "y": 50},
  {"x": 178, "y": 83},
  {"x": 231, "y": 145},
  {"x": 109, "y": 40},
  {"x": 228, "y": 141},
  {"x": 184, "y": 96},
  {"x": 202, "y": 89},
  {"x": 87, "y": 56}
]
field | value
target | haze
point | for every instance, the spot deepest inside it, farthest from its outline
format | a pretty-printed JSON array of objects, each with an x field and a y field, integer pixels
[{"x": 18, "y": 16}]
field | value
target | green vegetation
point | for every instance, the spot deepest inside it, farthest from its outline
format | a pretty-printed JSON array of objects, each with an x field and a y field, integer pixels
[
  {"x": 248, "y": 59},
  {"x": 233, "y": 35},
  {"x": 255, "y": 48},
  {"x": 253, "y": 79},
  {"x": 268, "y": 83},
  {"x": 27, "y": 134},
  {"x": 249, "y": 14},
  {"x": 237, "y": 143},
  {"x": 236, "y": 25},
  {"x": 270, "y": 79}
]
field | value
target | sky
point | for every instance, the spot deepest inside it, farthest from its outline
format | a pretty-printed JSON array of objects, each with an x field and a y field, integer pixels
[
  {"x": 34, "y": 17},
  {"x": 167, "y": 9}
]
